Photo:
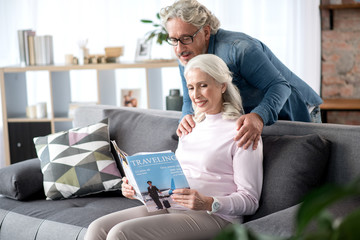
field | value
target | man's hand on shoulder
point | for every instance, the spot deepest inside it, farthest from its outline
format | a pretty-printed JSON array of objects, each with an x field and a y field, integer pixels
[
  {"x": 186, "y": 125},
  {"x": 249, "y": 128}
]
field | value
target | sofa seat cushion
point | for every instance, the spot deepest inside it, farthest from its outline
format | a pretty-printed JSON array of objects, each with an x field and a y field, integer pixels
[
  {"x": 76, "y": 211},
  {"x": 293, "y": 165},
  {"x": 78, "y": 162}
]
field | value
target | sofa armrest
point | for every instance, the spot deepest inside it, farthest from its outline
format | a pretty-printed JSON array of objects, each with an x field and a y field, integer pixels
[
  {"x": 280, "y": 224},
  {"x": 23, "y": 180}
]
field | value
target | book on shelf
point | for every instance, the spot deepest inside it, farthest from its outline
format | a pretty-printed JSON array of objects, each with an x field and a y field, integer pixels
[
  {"x": 43, "y": 50},
  {"x": 22, "y": 45},
  {"x": 31, "y": 50},
  {"x": 35, "y": 50},
  {"x": 23, "y": 36},
  {"x": 49, "y": 53},
  {"x": 154, "y": 176}
]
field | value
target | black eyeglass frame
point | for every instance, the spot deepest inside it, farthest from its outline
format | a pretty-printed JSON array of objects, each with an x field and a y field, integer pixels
[{"x": 168, "y": 39}]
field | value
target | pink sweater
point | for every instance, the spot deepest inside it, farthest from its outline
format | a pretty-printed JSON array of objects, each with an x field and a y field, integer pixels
[{"x": 216, "y": 167}]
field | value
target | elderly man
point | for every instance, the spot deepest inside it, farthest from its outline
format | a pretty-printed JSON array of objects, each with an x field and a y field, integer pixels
[{"x": 269, "y": 90}]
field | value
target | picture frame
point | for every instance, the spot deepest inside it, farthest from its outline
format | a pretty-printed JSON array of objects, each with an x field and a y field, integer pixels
[
  {"x": 130, "y": 97},
  {"x": 143, "y": 50}
]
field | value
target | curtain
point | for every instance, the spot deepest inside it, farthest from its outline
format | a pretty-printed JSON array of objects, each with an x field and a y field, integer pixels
[{"x": 290, "y": 28}]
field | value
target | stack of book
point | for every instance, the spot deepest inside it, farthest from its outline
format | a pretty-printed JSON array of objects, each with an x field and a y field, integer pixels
[{"x": 35, "y": 50}]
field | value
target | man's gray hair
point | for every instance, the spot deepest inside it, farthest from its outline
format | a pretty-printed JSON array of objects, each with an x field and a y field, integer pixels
[
  {"x": 217, "y": 68},
  {"x": 190, "y": 11}
]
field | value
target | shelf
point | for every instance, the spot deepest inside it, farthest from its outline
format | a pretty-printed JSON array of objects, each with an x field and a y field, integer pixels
[
  {"x": 25, "y": 119},
  {"x": 340, "y": 6},
  {"x": 107, "y": 66},
  {"x": 341, "y": 104},
  {"x": 338, "y": 104},
  {"x": 64, "y": 119},
  {"x": 102, "y": 81},
  {"x": 332, "y": 7}
]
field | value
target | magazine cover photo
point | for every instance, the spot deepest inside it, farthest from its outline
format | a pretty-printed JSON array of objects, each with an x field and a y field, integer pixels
[{"x": 158, "y": 179}]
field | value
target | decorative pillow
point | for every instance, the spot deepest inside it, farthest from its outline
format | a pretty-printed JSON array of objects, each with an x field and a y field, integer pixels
[
  {"x": 78, "y": 162},
  {"x": 293, "y": 165},
  {"x": 22, "y": 180}
]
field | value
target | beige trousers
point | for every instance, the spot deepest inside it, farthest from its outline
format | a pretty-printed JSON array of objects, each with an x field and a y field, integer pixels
[{"x": 137, "y": 223}]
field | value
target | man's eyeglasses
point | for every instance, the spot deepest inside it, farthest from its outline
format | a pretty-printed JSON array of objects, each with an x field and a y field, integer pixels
[{"x": 186, "y": 40}]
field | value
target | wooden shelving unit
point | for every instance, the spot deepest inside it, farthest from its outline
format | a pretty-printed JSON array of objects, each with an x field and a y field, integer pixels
[
  {"x": 14, "y": 92},
  {"x": 332, "y": 7},
  {"x": 338, "y": 104},
  {"x": 340, "y": 6}
]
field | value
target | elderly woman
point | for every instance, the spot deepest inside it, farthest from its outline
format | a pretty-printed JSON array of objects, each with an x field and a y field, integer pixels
[{"x": 225, "y": 180}]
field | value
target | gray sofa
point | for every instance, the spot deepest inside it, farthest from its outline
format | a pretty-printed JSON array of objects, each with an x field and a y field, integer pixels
[{"x": 298, "y": 157}]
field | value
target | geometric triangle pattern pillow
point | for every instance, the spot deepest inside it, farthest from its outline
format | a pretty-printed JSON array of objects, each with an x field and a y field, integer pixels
[{"x": 78, "y": 162}]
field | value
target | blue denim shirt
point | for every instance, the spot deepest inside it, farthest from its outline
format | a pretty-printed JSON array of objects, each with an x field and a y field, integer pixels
[{"x": 267, "y": 87}]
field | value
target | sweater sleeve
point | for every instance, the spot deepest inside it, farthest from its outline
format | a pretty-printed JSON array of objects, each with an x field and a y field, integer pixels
[
  {"x": 257, "y": 68},
  {"x": 187, "y": 107},
  {"x": 248, "y": 177}
]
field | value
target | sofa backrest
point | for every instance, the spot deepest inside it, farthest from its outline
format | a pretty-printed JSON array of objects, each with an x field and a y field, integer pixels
[
  {"x": 136, "y": 131},
  {"x": 344, "y": 162}
]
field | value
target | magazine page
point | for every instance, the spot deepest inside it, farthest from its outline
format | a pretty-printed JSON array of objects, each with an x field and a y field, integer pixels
[
  {"x": 128, "y": 173},
  {"x": 153, "y": 176}
]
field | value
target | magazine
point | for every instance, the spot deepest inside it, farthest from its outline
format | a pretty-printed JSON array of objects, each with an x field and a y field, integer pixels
[{"x": 154, "y": 176}]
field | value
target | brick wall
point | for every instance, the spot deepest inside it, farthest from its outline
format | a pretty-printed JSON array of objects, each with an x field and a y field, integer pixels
[{"x": 341, "y": 60}]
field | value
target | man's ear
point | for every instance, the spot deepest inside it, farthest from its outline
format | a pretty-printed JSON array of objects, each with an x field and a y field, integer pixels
[{"x": 207, "y": 31}]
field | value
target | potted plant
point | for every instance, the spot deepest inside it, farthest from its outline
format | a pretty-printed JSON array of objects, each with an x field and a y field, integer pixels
[{"x": 159, "y": 32}]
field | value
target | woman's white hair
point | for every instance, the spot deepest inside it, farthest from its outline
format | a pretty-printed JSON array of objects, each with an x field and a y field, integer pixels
[
  {"x": 217, "y": 68},
  {"x": 190, "y": 11}
]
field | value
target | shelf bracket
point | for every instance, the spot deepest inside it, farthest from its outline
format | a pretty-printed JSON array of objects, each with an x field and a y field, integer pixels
[{"x": 331, "y": 18}]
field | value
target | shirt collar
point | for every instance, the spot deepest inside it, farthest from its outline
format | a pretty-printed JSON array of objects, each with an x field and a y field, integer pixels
[{"x": 211, "y": 44}]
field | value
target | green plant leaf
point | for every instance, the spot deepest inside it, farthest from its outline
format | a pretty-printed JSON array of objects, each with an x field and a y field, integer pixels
[
  {"x": 164, "y": 36},
  {"x": 349, "y": 228},
  {"x": 325, "y": 221},
  {"x": 160, "y": 32},
  {"x": 150, "y": 36},
  {"x": 146, "y": 21},
  {"x": 315, "y": 202},
  {"x": 159, "y": 40}
]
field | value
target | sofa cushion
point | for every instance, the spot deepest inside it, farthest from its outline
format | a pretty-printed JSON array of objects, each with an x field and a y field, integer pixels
[
  {"x": 136, "y": 131},
  {"x": 73, "y": 212},
  {"x": 22, "y": 180},
  {"x": 293, "y": 165},
  {"x": 78, "y": 162}
]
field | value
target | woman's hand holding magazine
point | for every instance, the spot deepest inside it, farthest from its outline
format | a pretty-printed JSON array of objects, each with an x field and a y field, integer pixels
[{"x": 126, "y": 189}]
